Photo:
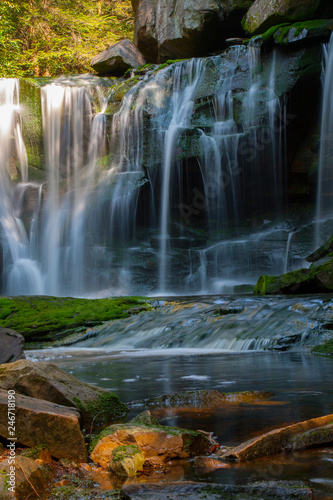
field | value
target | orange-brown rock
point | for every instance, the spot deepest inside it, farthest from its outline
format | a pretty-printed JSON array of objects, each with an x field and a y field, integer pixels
[
  {"x": 276, "y": 440},
  {"x": 41, "y": 422},
  {"x": 153, "y": 440}
]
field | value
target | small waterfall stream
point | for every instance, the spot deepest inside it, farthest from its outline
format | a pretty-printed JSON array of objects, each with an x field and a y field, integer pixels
[{"x": 325, "y": 177}]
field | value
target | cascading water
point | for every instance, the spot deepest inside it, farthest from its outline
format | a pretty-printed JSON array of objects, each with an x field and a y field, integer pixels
[
  {"x": 153, "y": 198},
  {"x": 325, "y": 177}
]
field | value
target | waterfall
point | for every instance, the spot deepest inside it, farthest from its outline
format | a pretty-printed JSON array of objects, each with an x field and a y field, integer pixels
[
  {"x": 21, "y": 273},
  {"x": 151, "y": 198},
  {"x": 325, "y": 179}
]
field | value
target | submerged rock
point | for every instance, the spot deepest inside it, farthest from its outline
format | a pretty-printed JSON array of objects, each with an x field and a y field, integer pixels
[
  {"x": 293, "y": 436},
  {"x": 47, "y": 382},
  {"x": 202, "y": 398},
  {"x": 41, "y": 422},
  {"x": 152, "y": 439},
  {"x": 117, "y": 59},
  {"x": 12, "y": 345}
]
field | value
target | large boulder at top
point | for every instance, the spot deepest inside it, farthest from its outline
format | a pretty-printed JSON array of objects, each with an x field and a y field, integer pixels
[
  {"x": 117, "y": 59},
  {"x": 175, "y": 29},
  {"x": 41, "y": 422},
  {"x": 46, "y": 381},
  {"x": 262, "y": 14},
  {"x": 12, "y": 344}
]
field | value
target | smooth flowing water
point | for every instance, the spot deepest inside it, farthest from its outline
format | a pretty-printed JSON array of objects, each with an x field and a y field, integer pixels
[{"x": 128, "y": 207}]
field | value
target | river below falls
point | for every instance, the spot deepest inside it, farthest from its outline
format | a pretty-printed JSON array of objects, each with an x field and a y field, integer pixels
[{"x": 301, "y": 383}]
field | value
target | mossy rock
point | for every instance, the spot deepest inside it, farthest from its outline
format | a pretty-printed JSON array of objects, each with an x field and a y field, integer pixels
[
  {"x": 46, "y": 319},
  {"x": 318, "y": 279},
  {"x": 301, "y": 32},
  {"x": 126, "y": 460},
  {"x": 325, "y": 349},
  {"x": 101, "y": 411}
]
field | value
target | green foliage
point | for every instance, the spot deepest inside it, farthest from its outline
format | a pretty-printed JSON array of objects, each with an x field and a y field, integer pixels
[
  {"x": 51, "y": 37},
  {"x": 325, "y": 349},
  {"x": 41, "y": 318}
]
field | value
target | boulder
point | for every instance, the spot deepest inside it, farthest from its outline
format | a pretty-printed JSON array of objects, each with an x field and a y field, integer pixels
[
  {"x": 322, "y": 252},
  {"x": 291, "y": 437},
  {"x": 271, "y": 490},
  {"x": 12, "y": 345},
  {"x": 29, "y": 479},
  {"x": 263, "y": 15},
  {"x": 41, "y": 422},
  {"x": 46, "y": 381},
  {"x": 317, "y": 279},
  {"x": 152, "y": 439},
  {"x": 117, "y": 59},
  {"x": 180, "y": 29}
]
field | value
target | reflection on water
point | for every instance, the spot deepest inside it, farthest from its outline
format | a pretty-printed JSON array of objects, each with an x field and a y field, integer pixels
[{"x": 302, "y": 384}]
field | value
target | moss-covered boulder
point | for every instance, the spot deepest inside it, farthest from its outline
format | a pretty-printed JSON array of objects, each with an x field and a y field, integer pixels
[
  {"x": 47, "y": 382},
  {"x": 47, "y": 319},
  {"x": 153, "y": 440},
  {"x": 263, "y": 15},
  {"x": 318, "y": 279},
  {"x": 325, "y": 349},
  {"x": 325, "y": 250},
  {"x": 298, "y": 33}
]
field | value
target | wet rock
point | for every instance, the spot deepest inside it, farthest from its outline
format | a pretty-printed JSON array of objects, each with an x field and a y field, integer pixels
[
  {"x": 47, "y": 382},
  {"x": 278, "y": 440},
  {"x": 29, "y": 479},
  {"x": 203, "y": 399},
  {"x": 205, "y": 465},
  {"x": 317, "y": 279},
  {"x": 153, "y": 440},
  {"x": 12, "y": 345},
  {"x": 172, "y": 30},
  {"x": 126, "y": 460},
  {"x": 42, "y": 422},
  {"x": 322, "y": 435},
  {"x": 117, "y": 59},
  {"x": 325, "y": 250},
  {"x": 263, "y": 15},
  {"x": 273, "y": 490}
]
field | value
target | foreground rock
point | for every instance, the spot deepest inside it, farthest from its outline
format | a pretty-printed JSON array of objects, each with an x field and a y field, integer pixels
[
  {"x": 263, "y": 15},
  {"x": 283, "y": 490},
  {"x": 158, "y": 444},
  {"x": 203, "y": 399},
  {"x": 12, "y": 345},
  {"x": 117, "y": 59},
  {"x": 296, "y": 436},
  {"x": 29, "y": 479},
  {"x": 318, "y": 279},
  {"x": 47, "y": 382},
  {"x": 170, "y": 30},
  {"x": 41, "y": 422}
]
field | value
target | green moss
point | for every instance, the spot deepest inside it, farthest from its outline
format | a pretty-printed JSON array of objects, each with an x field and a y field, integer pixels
[
  {"x": 101, "y": 411},
  {"x": 41, "y": 318},
  {"x": 297, "y": 282},
  {"x": 34, "y": 453},
  {"x": 325, "y": 349},
  {"x": 282, "y": 34},
  {"x": 121, "y": 452}
]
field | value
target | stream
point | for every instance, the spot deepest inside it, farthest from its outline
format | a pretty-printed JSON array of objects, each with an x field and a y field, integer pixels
[{"x": 143, "y": 357}]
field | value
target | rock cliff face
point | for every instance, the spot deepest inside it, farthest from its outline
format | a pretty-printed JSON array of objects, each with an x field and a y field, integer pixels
[{"x": 172, "y": 29}]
